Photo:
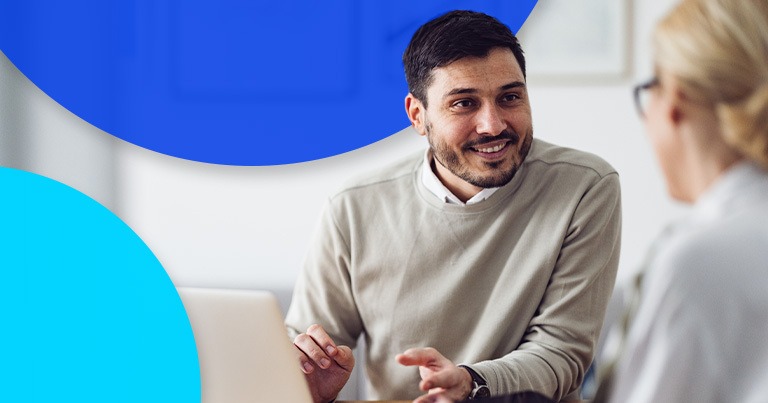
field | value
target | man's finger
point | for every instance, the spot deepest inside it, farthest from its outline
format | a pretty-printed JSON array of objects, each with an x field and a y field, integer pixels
[
  {"x": 322, "y": 339},
  {"x": 344, "y": 358},
  {"x": 424, "y": 357},
  {"x": 314, "y": 352},
  {"x": 446, "y": 379},
  {"x": 304, "y": 361}
]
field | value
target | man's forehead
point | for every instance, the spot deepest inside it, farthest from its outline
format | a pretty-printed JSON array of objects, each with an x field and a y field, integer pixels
[{"x": 496, "y": 70}]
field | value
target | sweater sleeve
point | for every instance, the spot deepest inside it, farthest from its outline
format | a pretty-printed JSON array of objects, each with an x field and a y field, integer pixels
[
  {"x": 560, "y": 339},
  {"x": 323, "y": 293}
]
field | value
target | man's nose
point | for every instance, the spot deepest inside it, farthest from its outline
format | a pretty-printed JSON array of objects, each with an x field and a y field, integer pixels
[{"x": 490, "y": 121}]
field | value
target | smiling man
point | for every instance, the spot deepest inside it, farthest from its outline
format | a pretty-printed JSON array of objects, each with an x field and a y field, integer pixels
[
  {"x": 483, "y": 118},
  {"x": 482, "y": 266}
]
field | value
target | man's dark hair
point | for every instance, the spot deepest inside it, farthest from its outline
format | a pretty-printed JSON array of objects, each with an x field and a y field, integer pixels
[{"x": 450, "y": 37}]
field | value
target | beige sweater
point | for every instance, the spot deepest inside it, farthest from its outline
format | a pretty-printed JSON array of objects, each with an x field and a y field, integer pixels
[{"x": 515, "y": 286}]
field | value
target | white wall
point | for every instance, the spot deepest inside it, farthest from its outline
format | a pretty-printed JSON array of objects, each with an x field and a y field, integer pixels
[{"x": 229, "y": 226}]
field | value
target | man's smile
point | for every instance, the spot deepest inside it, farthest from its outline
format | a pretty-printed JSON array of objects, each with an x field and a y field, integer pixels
[{"x": 491, "y": 151}]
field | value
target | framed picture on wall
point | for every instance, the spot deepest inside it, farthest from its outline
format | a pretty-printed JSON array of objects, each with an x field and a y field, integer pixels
[{"x": 576, "y": 41}]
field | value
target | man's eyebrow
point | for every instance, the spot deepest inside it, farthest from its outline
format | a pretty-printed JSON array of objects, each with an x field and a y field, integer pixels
[
  {"x": 457, "y": 91},
  {"x": 516, "y": 84}
]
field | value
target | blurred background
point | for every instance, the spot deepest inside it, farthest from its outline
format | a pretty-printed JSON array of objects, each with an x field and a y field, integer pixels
[{"x": 249, "y": 227}]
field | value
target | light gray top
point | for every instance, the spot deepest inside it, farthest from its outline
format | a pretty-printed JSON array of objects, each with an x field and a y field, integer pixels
[
  {"x": 515, "y": 285},
  {"x": 701, "y": 331}
]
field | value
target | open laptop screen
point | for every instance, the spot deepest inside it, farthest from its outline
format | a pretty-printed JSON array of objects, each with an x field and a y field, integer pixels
[{"x": 243, "y": 348}]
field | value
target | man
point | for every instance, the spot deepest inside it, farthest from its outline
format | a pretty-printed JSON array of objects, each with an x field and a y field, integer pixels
[{"x": 492, "y": 249}]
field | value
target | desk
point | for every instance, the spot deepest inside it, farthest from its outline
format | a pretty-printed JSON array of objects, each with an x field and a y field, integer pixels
[{"x": 408, "y": 401}]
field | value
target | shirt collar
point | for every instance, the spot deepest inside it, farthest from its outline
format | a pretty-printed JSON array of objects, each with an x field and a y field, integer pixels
[
  {"x": 433, "y": 184},
  {"x": 741, "y": 186}
]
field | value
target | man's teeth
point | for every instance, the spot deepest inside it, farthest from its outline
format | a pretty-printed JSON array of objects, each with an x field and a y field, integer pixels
[{"x": 492, "y": 149}]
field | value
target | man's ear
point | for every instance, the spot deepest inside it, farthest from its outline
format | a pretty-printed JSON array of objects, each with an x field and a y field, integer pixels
[{"x": 415, "y": 110}]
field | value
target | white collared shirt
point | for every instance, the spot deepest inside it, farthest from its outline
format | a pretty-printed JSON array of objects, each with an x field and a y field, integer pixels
[
  {"x": 701, "y": 330},
  {"x": 433, "y": 184}
]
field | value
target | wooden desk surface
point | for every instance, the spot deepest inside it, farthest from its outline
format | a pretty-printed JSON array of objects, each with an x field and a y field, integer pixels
[
  {"x": 408, "y": 401},
  {"x": 373, "y": 401}
]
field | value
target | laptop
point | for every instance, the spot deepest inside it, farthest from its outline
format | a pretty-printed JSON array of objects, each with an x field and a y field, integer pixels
[{"x": 244, "y": 351}]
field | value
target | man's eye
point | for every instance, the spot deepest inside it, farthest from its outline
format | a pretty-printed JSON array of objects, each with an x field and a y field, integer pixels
[
  {"x": 510, "y": 97},
  {"x": 464, "y": 103}
]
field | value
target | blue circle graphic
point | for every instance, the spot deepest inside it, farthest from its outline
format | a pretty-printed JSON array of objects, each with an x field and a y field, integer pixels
[
  {"x": 89, "y": 314},
  {"x": 229, "y": 81}
]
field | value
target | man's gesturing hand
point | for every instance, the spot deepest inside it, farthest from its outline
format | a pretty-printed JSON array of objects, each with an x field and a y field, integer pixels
[
  {"x": 439, "y": 375},
  {"x": 326, "y": 366}
]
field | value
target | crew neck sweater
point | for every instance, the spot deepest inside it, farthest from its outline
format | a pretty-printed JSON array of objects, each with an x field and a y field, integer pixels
[{"x": 514, "y": 286}]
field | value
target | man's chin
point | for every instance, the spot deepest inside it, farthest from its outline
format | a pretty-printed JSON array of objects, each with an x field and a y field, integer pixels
[{"x": 494, "y": 180}]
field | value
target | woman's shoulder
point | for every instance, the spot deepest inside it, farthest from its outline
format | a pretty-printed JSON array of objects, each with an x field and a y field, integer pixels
[{"x": 723, "y": 254}]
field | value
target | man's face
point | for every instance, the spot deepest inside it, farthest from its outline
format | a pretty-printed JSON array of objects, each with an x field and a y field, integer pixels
[{"x": 478, "y": 122}]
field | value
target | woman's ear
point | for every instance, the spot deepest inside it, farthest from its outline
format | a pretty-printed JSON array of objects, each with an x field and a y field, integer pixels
[{"x": 677, "y": 101}]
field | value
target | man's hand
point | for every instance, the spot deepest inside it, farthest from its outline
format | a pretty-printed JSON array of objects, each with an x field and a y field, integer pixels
[
  {"x": 440, "y": 377},
  {"x": 326, "y": 366}
]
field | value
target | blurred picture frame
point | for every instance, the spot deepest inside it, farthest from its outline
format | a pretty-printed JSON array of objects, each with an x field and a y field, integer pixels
[{"x": 578, "y": 41}]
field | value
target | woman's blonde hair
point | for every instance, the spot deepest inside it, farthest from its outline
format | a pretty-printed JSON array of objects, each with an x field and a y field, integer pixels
[{"x": 718, "y": 50}]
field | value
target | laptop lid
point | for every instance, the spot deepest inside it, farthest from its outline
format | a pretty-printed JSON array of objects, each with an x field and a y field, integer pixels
[{"x": 244, "y": 351}]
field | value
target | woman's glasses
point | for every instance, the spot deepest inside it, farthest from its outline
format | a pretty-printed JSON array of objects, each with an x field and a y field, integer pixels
[{"x": 642, "y": 95}]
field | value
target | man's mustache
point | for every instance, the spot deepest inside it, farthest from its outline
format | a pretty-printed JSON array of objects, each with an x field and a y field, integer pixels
[{"x": 505, "y": 135}]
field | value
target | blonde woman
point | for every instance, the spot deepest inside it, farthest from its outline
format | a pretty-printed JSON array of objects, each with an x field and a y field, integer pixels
[{"x": 700, "y": 333}]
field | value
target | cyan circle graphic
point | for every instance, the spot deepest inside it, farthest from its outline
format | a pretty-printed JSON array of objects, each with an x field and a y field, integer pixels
[
  {"x": 89, "y": 314},
  {"x": 229, "y": 81}
]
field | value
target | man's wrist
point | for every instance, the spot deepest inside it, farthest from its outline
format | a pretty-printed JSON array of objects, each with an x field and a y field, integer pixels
[
  {"x": 467, "y": 381},
  {"x": 478, "y": 385}
]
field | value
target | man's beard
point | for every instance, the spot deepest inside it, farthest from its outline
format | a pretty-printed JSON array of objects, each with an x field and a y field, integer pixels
[{"x": 451, "y": 161}]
